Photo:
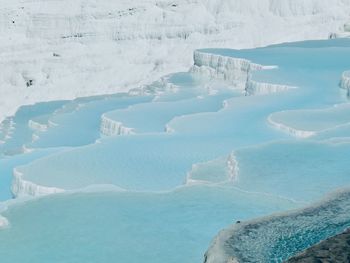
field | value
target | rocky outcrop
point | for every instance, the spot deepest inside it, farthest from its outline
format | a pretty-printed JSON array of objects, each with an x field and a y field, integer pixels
[{"x": 278, "y": 237}]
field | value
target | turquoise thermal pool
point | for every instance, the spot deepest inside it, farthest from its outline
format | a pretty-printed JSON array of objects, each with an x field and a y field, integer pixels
[{"x": 154, "y": 174}]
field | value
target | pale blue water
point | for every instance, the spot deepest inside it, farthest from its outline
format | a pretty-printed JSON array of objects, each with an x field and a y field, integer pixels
[
  {"x": 157, "y": 218},
  {"x": 78, "y": 123},
  {"x": 277, "y": 238},
  {"x": 316, "y": 120},
  {"x": 20, "y": 133},
  {"x": 160, "y": 113},
  {"x": 125, "y": 227},
  {"x": 145, "y": 162},
  {"x": 8, "y": 163},
  {"x": 302, "y": 171}
]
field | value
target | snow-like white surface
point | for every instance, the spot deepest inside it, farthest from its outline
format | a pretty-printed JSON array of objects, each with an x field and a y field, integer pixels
[
  {"x": 343, "y": 32},
  {"x": 68, "y": 48}
]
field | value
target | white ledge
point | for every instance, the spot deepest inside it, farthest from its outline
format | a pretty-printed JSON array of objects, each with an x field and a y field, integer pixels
[
  {"x": 292, "y": 131},
  {"x": 111, "y": 127},
  {"x": 21, "y": 187},
  {"x": 345, "y": 81}
]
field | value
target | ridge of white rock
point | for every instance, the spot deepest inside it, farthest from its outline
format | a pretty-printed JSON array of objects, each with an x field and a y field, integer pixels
[
  {"x": 234, "y": 70},
  {"x": 290, "y": 130},
  {"x": 319, "y": 120},
  {"x": 110, "y": 127},
  {"x": 63, "y": 49},
  {"x": 237, "y": 71},
  {"x": 22, "y": 187},
  {"x": 345, "y": 81},
  {"x": 261, "y": 88},
  {"x": 4, "y": 222},
  {"x": 37, "y": 126},
  {"x": 215, "y": 171},
  {"x": 168, "y": 129},
  {"x": 233, "y": 167},
  {"x": 338, "y": 140}
]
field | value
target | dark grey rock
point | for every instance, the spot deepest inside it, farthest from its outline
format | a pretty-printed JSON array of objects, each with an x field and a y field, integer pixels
[{"x": 335, "y": 249}]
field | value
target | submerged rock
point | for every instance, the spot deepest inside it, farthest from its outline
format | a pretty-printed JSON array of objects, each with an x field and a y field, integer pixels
[{"x": 333, "y": 249}]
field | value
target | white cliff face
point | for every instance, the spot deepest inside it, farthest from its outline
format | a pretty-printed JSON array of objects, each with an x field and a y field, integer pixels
[
  {"x": 299, "y": 133},
  {"x": 21, "y": 187},
  {"x": 64, "y": 49},
  {"x": 345, "y": 81},
  {"x": 110, "y": 127},
  {"x": 234, "y": 70},
  {"x": 260, "y": 88},
  {"x": 223, "y": 64}
]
